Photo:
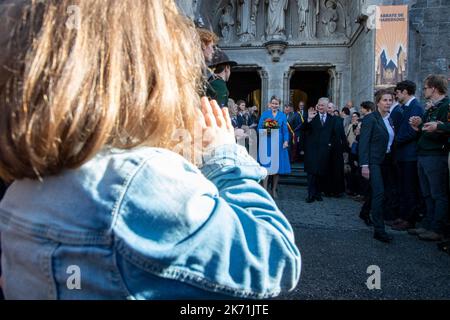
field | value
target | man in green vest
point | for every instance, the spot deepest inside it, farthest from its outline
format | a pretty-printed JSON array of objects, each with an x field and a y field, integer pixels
[{"x": 217, "y": 83}]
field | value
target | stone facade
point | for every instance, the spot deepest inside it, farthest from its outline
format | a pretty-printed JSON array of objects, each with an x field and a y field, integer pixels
[
  {"x": 429, "y": 44},
  {"x": 277, "y": 38}
]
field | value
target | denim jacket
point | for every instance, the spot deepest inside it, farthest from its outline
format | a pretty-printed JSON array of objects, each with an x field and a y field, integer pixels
[{"x": 147, "y": 224}]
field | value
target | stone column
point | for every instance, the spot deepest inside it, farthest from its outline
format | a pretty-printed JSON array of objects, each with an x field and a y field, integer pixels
[
  {"x": 286, "y": 85},
  {"x": 275, "y": 82},
  {"x": 332, "y": 85},
  {"x": 338, "y": 94},
  {"x": 264, "y": 89}
]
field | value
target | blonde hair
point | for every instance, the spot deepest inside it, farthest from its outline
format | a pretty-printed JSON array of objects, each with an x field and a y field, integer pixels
[
  {"x": 126, "y": 76},
  {"x": 207, "y": 37}
]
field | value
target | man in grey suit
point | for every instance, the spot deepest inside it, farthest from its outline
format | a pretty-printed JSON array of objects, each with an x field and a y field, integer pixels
[{"x": 375, "y": 154}]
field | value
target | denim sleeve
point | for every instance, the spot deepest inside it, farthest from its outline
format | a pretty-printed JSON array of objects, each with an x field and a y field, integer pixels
[{"x": 216, "y": 229}]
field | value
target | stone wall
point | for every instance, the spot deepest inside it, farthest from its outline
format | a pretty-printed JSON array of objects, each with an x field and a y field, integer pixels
[
  {"x": 429, "y": 39},
  {"x": 429, "y": 33},
  {"x": 353, "y": 59},
  {"x": 362, "y": 67}
]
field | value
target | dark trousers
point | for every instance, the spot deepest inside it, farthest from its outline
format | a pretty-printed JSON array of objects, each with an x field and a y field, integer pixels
[
  {"x": 391, "y": 195},
  {"x": 313, "y": 185},
  {"x": 354, "y": 177},
  {"x": 380, "y": 186},
  {"x": 408, "y": 190},
  {"x": 433, "y": 177}
]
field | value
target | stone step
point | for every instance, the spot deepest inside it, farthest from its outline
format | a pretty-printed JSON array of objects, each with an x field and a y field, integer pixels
[{"x": 297, "y": 177}]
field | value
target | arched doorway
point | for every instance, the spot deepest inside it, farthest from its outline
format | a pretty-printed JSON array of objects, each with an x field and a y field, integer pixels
[
  {"x": 245, "y": 84},
  {"x": 309, "y": 86}
]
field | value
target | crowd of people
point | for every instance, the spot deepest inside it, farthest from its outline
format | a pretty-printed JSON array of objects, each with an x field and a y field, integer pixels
[
  {"x": 391, "y": 154},
  {"x": 342, "y": 150}
]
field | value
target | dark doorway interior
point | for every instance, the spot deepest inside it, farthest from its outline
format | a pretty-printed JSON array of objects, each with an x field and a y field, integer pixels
[
  {"x": 309, "y": 86},
  {"x": 245, "y": 85}
]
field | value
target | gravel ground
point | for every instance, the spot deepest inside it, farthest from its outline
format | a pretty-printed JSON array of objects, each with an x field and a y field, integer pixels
[{"x": 337, "y": 248}]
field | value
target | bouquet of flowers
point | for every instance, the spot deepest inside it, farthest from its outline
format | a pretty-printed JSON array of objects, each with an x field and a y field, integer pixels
[{"x": 270, "y": 124}]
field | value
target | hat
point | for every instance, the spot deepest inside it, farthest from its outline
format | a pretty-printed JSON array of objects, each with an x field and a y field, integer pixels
[{"x": 220, "y": 57}]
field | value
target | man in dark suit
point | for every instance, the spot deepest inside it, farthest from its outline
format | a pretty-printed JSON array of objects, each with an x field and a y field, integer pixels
[
  {"x": 318, "y": 132},
  {"x": 335, "y": 182},
  {"x": 396, "y": 112},
  {"x": 406, "y": 155},
  {"x": 375, "y": 155},
  {"x": 303, "y": 113},
  {"x": 294, "y": 122}
]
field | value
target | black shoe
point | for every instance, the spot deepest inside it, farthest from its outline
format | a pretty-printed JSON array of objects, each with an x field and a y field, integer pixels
[
  {"x": 318, "y": 198},
  {"x": 309, "y": 200},
  {"x": 383, "y": 237},
  {"x": 366, "y": 220}
]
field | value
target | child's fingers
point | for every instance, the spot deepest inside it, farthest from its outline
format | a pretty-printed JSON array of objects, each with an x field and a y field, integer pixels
[
  {"x": 218, "y": 114},
  {"x": 208, "y": 113},
  {"x": 226, "y": 116}
]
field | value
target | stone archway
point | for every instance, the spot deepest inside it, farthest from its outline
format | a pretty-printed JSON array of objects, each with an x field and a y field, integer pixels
[{"x": 314, "y": 80}]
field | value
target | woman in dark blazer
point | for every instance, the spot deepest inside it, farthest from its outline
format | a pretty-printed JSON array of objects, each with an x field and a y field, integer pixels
[{"x": 375, "y": 154}]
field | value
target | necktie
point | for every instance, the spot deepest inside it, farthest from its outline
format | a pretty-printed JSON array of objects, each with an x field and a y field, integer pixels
[{"x": 322, "y": 119}]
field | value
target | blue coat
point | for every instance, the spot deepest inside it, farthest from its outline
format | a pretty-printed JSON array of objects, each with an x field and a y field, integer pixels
[
  {"x": 274, "y": 158},
  {"x": 405, "y": 136}
]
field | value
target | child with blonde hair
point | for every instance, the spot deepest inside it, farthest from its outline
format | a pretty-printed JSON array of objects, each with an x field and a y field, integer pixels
[{"x": 101, "y": 207}]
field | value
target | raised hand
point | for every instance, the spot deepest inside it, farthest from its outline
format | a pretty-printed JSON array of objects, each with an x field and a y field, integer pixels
[
  {"x": 311, "y": 113},
  {"x": 216, "y": 124}
]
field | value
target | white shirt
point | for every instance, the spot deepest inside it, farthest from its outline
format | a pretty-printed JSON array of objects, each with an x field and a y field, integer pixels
[
  {"x": 393, "y": 106},
  {"x": 323, "y": 117},
  {"x": 409, "y": 101},
  {"x": 390, "y": 131}
]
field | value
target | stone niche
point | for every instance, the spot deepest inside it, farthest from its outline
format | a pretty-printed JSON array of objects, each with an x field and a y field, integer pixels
[{"x": 241, "y": 23}]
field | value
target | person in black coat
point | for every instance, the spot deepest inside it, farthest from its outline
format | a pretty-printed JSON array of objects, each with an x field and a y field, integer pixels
[
  {"x": 294, "y": 121},
  {"x": 406, "y": 156},
  {"x": 303, "y": 114},
  {"x": 334, "y": 183},
  {"x": 318, "y": 132},
  {"x": 375, "y": 155}
]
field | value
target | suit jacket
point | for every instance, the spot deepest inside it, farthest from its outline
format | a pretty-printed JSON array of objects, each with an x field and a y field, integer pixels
[
  {"x": 396, "y": 116},
  {"x": 374, "y": 139},
  {"x": 405, "y": 136},
  {"x": 318, "y": 141},
  {"x": 339, "y": 142},
  {"x": 295, "y": 122}
]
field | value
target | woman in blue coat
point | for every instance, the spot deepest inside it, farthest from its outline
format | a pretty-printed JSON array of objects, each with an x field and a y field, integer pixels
[{"x": 272, "y": 128}]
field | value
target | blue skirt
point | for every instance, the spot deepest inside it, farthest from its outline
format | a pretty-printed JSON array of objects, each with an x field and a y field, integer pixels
[{"x": 277, "y": 164}]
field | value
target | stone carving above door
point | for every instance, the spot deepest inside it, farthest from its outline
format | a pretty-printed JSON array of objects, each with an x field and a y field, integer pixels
[{"x": 299, "y": 22}]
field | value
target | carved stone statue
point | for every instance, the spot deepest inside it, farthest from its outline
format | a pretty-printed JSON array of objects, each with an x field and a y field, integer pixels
[
  {"x": 254, "y": 15},
  {"x": 303, "y": 12},
  {"x": 247, "y": 19},
  {"x": 331, "y": 17},
  {"x": 307, "y": 18},
  {"x": 226, "y": 23},
  {"x": 276, "y": 19}
]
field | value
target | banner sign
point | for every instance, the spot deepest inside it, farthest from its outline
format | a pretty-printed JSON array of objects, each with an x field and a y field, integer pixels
[{"x": 391, "y": 45}]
